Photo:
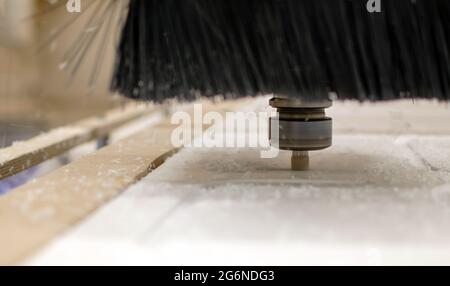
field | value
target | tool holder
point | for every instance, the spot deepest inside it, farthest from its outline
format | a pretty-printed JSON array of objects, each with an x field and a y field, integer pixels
[{"x": 300, "y": 126}]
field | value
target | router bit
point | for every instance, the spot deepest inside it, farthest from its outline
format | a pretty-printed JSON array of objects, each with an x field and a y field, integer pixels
[{"x": 300, "y": 126}]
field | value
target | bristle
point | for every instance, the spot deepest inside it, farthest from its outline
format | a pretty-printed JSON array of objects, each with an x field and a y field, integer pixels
[
  {"x": 100, "y": 21},
  {"x": 300, "y": 48}
]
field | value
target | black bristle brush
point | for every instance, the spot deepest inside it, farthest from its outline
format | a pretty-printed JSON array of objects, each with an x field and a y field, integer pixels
[{"x": 300, "y": 48}]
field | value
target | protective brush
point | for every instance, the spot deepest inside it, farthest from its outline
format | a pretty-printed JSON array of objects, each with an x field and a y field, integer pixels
[
  {"x": 302, "y": 51},
  {"x": 299, "y": 48}
]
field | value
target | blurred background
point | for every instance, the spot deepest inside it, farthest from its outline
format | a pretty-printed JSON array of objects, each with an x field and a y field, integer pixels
[
  {"x": 55, "y": 69},
  {"x": 39, "y": 90}
]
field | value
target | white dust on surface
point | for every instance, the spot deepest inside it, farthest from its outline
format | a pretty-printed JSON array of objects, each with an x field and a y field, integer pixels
[
  {"x": 370, "y": 199},
  {"x": 367, "y": 194},
  {"x": 38, "y": 142}
]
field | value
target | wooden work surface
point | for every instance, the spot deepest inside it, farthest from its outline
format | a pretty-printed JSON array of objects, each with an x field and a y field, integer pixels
[
  {"x": 24, "y": 155},
  {"x": 380, "y": 195},
  {"x": 35, "y": 213}
]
